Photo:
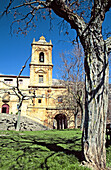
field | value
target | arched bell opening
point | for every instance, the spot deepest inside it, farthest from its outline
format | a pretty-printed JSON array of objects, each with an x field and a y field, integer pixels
[{"x": 41, "y": 57}]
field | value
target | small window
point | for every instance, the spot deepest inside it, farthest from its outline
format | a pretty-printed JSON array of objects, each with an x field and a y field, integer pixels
[
  {"x": 20, "y": 81},
  {"x": 39, "y": 101},
  {"x": 8, "y": 81},
  {"x": 60, "y": 100},
  {"x": 41, "y": 57},
  {"x": 40, "y": 78}
]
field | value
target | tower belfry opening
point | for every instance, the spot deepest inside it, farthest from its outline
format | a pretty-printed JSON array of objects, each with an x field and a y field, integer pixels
[{"x": 41, "y": 57}]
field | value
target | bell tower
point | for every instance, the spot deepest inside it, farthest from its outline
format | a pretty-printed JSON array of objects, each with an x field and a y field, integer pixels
[{"x": 41, "y": 63}]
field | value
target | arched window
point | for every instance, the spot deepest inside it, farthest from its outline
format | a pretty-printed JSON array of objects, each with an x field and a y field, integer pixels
[{"x": 41, "y": 57}]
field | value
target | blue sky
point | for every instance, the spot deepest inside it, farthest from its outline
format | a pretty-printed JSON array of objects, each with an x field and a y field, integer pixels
[{"x": 15, "y": 49}]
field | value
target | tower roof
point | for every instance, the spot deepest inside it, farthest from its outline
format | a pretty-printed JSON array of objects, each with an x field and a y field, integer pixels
[
  {"x": 42, "y": 38},
  {"x": 42, "y": 41}
]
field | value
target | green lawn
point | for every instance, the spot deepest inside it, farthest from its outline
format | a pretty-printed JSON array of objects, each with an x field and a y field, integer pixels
[{"x": 53, "y": 150}]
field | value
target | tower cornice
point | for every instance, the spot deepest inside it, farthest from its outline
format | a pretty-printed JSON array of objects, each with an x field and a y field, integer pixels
[
  {"x": 41, "y": 64},
  {"x": 40, "y": 44}
]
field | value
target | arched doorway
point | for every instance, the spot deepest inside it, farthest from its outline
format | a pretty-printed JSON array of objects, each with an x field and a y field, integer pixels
[
  {"x": 5, "y": 108},
  {"x": 61, "y": 121}
]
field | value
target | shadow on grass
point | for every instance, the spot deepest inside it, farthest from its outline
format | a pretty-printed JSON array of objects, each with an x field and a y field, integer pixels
[
  {"x": 54, "y": 147},
  {"x": 45, "y": 162},
  {"x": 25, "y": 145},
  {"x": 57, "y": 149}
]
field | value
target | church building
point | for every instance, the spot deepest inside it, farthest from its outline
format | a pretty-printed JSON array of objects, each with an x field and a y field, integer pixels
[
  {"x": 47, "y": 93},
  {"x": 44, "y": 107}
]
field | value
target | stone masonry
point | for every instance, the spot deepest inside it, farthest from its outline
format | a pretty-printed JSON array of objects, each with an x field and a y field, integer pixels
[{"x": 8, "y": 122}]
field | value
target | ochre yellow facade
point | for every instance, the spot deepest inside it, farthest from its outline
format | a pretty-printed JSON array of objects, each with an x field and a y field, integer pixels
[{"x": 44, "y": 107}]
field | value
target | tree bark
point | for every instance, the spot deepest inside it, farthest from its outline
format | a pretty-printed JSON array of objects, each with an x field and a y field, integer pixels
[
  {"x": 96, "y": 78},
  {"x": 82, "y": 116},
  {"x": 75, "y": 120},
  {"x": 96, "y": 101},
  {"x": 19, "y": 113},
  {"x": 18, "y": 120}
]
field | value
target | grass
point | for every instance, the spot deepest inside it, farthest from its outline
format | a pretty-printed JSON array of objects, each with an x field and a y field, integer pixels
[
  {"x": 108, "y": 156},
  {"x": 47, "y": 150}
]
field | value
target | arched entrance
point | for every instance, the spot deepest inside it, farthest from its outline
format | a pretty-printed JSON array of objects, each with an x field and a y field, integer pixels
[
  {"x": 5, "y": 108},
  {"x": 61, "y": 121}
]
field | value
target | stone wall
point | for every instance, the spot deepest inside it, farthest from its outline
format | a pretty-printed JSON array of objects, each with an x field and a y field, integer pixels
[{"x": 8, "y": 122}]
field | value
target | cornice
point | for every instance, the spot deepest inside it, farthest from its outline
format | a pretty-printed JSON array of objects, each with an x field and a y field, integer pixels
[
  {"x": 41, "y": 64},
  {"x": 37, "y": 87},
  {"x": 13, "y": 76}
]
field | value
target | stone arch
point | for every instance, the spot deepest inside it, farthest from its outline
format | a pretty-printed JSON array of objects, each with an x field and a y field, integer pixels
[
  {"x": 5, "y": 108},
  {"x": 60, "y": 121}
]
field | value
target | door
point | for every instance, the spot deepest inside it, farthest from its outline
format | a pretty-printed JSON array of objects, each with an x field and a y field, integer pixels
[{"x": 5, "y": 108}]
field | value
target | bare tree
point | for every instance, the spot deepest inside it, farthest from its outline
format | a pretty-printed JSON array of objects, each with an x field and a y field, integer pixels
[
  {"x": 19, "y": 93},
  {"x": 86, "y": 17},
  {"x": 15, "y": 91},
  {"x": 72, "y": 75}
]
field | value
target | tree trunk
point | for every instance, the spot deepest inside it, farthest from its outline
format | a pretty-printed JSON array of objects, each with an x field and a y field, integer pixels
[
  {"x": 82, "y": 116},
  {"x": 19, "y": 113},
  {"x": 75, "y": 120},
  {"x": 96, "y": 102},
  {"x": 18, "y": 120}
]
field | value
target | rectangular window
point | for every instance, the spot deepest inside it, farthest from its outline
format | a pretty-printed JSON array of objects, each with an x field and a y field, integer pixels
[
  {"x": 39, "y": 101},
  {"x": 20, "y": 81},
  {"x": 40, "y": 78},
  {"x": 60, "y": 100},
  {"x": 8, "y": 81}
]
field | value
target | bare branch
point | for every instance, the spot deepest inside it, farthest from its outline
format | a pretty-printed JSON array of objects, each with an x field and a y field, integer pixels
[
  {"x": 24, "y": 4},
  {"x": 7, "y": 84},
  {"x": 39, "y": 3},
  {"x": 13, "y": 88},
  {"x": 74, "y": 19},
  {"x": 7, "y": 8},
  {"x": 26, "y": 63}
]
